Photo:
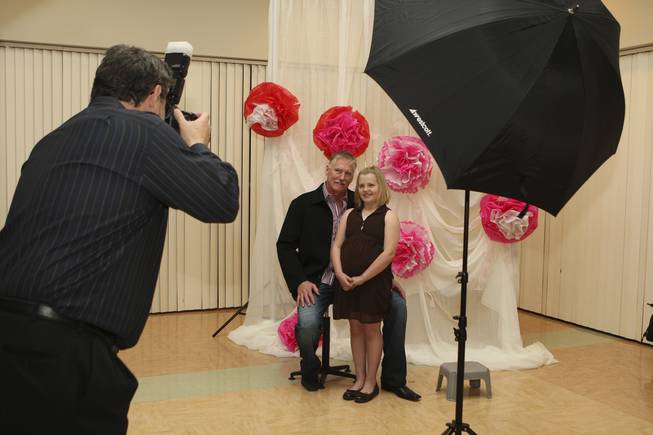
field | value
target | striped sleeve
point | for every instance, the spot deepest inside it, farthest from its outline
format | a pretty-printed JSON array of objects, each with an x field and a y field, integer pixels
[{"x": 191, "y": 179}]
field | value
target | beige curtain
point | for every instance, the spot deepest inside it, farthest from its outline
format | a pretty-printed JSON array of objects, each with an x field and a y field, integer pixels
[{"x": 204, "y": 266}]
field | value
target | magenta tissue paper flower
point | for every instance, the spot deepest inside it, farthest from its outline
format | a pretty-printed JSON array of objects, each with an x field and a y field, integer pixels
[
  {"x": 286, "y": 332},
  {"x": 415, "y": 251},
  {"x": 406, "y": 163},
  {"x": 341, "y": 129}
]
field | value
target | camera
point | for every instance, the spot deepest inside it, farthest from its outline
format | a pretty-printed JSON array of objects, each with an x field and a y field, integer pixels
[{"x": 177, "y": 57}]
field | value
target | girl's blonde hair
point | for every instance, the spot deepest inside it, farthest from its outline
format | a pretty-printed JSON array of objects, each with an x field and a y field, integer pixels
[{"x": 384, "y": 192}]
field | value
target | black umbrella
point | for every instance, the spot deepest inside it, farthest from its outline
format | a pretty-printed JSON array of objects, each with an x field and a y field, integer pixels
[{"x": 520, "y": 98}]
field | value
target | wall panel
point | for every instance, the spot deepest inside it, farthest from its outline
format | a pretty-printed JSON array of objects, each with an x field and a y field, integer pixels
[
  {"x": 596, "y": 254},
  {"x": 203, "y": 266},
  {"x": 531, "y": 268}
]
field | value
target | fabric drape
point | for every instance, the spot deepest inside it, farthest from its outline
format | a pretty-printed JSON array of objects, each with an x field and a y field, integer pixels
[{"x": 318, "y": 50}]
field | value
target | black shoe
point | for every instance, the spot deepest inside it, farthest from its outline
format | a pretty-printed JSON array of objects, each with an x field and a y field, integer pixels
[
  {"x": 350, "y": 394},
  {"x": 404, "y": 392},
  {"x": 366, "y": 397},
  {"x": 311, "y": 384}
]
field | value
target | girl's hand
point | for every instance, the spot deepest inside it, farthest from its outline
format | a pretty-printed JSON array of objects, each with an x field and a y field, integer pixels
[
  {"x": 357, "y": 281},
  {"x": 344, "y": 280}
]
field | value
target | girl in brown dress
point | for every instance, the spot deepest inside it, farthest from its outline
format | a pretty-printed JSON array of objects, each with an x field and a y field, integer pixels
[{"x": 361, "y": 255}]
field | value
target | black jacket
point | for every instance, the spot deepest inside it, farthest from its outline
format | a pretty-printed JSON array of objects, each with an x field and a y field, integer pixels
[{"x": 304, "y": 243}]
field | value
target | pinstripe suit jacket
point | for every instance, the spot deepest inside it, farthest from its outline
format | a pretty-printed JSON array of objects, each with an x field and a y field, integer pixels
[{"x": 86, "y": 226}]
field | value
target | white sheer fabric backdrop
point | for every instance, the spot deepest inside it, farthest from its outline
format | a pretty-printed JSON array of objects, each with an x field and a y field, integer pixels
[{"x": 318, "y": 50}]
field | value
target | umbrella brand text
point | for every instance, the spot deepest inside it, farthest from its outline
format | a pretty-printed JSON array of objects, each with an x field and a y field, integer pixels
[{"x": 421, "y": 122}]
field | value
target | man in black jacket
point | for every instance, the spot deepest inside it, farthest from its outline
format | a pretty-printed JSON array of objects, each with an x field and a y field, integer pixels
[
  {"x": 81, "y": 248},
  {"x": 303, "y": 248}
]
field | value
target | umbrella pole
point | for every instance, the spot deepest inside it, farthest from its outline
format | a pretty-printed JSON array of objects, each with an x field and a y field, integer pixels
[{"x": 457, "y": 426}]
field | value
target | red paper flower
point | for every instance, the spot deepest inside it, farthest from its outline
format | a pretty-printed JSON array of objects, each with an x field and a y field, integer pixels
[
  {"x": 415, "y": 251},
  {"x": 341, "y": 129},
  {"x": 406, "y": 163},
  {"x": 270, "y": 109},
  {"x": 501, "y": 218}
]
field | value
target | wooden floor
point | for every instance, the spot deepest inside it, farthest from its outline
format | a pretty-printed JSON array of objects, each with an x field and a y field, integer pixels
[{"x": 191, "y": 383}]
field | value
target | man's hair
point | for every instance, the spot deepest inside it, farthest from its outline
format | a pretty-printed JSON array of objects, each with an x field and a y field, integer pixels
[
  {"x": 384, "y": 192},
  {"x": 129, "y": 74},
  {"x": 343, "y": 155}
]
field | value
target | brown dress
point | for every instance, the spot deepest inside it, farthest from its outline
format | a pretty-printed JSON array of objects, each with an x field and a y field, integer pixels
[{"x": 363, "y": 242}]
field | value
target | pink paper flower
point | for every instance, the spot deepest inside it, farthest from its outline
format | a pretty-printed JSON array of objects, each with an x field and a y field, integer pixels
[
  {"x": 286, "y": 332},
  {"x": 406, "y": 163},
  {"x": 501, "y": 219},
  {"x": 341, "y": 129},
  {"x": 415, "y": 251}
]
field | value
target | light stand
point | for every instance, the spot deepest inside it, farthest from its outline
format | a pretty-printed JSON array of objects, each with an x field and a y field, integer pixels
[
  {"x": 239, "y": 311},
  {"x": 457, "y": 426}
]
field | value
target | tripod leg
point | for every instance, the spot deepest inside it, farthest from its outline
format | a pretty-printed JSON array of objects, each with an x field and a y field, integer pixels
[
  {"x": 239, "y": 311},
  {"x": 452, "y": 429}
]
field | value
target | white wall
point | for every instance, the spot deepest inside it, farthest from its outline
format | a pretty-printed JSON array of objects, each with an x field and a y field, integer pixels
[
  {"x": 220, "y": 28},
  {"x": 635, "y": 17}
]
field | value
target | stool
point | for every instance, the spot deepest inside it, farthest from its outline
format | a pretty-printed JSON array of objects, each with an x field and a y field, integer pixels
[
  {"x": 326, "y": 368},
  {"x": 474, "y": 371}
]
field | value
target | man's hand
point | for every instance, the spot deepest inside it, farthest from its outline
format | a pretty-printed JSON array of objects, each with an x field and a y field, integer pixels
[
  {"x": 306, "y": 293},
  {"x": 399, "y": 289},
  {"x": 192, "y": 132}
]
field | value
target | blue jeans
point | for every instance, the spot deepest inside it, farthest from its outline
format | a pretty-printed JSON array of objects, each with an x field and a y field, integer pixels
[{"x": 308, "y": 330}]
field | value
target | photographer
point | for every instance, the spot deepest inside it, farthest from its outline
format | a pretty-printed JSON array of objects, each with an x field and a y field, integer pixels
[{"x": 81, "y": 248}]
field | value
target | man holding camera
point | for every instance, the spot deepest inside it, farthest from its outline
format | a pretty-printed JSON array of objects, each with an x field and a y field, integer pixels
[{"x": 81, "y": 248}]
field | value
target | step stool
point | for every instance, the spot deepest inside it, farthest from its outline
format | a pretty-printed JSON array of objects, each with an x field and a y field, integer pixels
[{"x": 474, "y": 371}]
